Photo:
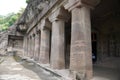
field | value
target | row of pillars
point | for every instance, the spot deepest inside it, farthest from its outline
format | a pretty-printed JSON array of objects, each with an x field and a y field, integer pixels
[{"x": 38, "y": 46}]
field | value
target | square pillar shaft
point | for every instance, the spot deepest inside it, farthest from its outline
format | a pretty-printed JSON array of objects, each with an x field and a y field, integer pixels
[
  {"x": 24, "y": 47},
  {"x": 44, "y": 46},
  {"x": 81, "y": 56},
  {"x": 58, "y": 19},
  {"x": 29, "y": 46},
  {"x": 58, "y": 45},
  {"x": 32, "y": 47},
  {"x": 37, "y": 46}
]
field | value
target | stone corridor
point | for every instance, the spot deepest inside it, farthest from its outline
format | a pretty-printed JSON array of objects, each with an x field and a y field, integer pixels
[
  {"x": 78, "y": 36},
  {"x": 12, "y": 68}
]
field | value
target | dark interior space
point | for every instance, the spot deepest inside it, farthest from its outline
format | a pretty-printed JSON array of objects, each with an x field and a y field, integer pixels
[
  {"x": 67, "y": 43},
  {"x": 94, "y": 46},
  {"x": 105, "y": 21}
]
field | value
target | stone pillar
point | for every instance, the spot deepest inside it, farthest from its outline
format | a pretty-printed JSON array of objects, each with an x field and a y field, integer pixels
[
  {"x": 45, "y": 42},
  {"x": 31, "y": 50},
  {"x": 33, "y": 46},
  {"x": 58, "y": 39},
  {"x": 37, "y": 46},
  {"x": 28, "y": 53},
  {"x": 24, "y": 46},
  {"x": 58, "y": 45},
  {"x": 27, "y": 45},
  {"x": 44, "y": 47},
  {"x": 81, "y": 53},
  {"x": 30, "y": 46}
]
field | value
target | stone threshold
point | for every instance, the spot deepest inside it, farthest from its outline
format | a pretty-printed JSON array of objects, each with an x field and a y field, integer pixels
[{"x": 62, "y": 74}]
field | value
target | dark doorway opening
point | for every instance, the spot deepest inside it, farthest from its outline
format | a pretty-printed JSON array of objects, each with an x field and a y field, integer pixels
[
  {"x": 67, "y": 43},
  {"x": 94, "y": 47},
  {"x": 50, "y": 46}
]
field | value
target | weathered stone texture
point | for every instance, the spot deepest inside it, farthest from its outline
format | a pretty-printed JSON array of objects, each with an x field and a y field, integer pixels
[
  {"x": 58, "y": 45},
  {"x": 37, "y": 45},
  {"x": 52, "y": 20},
  {"x": 45, "y": 46},
  {"x": 81, "y": 57}
]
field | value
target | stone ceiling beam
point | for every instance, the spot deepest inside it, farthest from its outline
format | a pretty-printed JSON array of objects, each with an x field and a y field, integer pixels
[{"x": 80, "y": 3}]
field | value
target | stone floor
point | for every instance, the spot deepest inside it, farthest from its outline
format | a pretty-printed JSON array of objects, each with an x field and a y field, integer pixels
[
  {"x": 15, "y": 69},
  {"x": 103, "y": 73},
  {"x": 108, "y": 69}
]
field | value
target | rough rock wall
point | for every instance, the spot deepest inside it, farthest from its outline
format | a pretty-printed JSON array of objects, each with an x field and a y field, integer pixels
[
  {"x": 3, "y": 39},
  {"x": 35, "y": 10}
]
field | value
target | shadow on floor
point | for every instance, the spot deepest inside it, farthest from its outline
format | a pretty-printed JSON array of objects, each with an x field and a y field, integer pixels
[{"x": 44, "y": 75}]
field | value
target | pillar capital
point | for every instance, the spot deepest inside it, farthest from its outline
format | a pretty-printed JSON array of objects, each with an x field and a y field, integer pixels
[
  {"x": 80, "y": 3},
  {"x": 45, "y": 24},
  {"x": 59, "y": 14}
]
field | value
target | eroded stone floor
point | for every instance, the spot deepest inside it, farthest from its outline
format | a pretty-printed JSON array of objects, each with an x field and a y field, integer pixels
[{"x": 15, "y": 69}]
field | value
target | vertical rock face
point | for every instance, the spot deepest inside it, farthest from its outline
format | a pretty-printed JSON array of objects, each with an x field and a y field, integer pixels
[
  {"x": 4, "y": 38},
  {"x": 3, "y": 41},
  {"x": 34, "y": 9}
]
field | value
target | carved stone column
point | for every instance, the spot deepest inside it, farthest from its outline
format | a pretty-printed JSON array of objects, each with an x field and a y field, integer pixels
[
  {"x": 27, "y": 46},
  {"x": 33, "y": 46},
  {"x": 58, "y": 19},
  {"x": 37, "y": 44},
  {"x": 45, "y": 42},
  {"x": 81, "y": 53},
  {"x": 24, "y": 46}
]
